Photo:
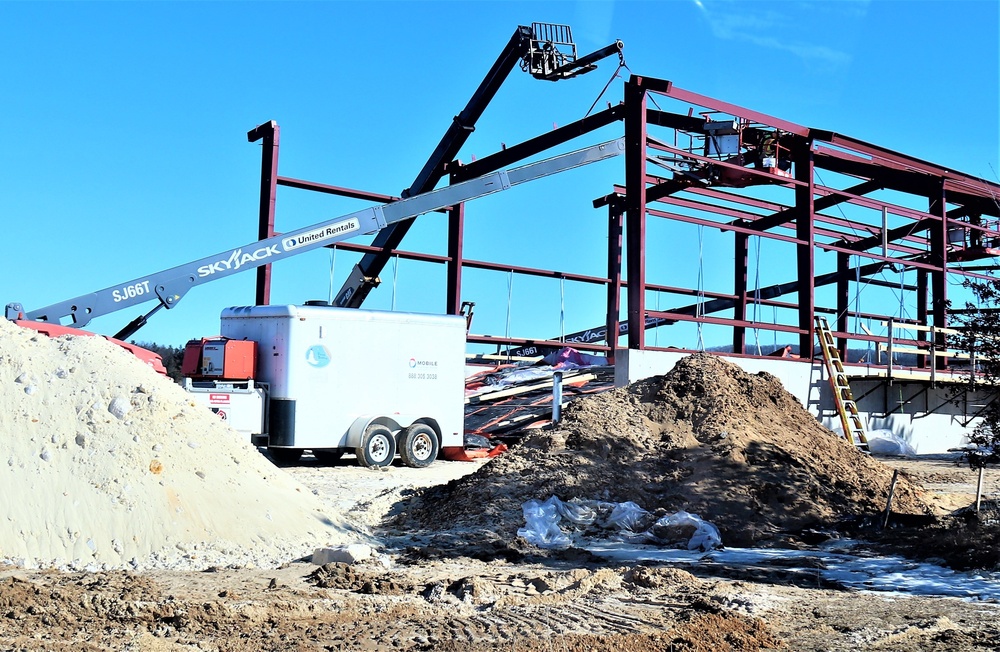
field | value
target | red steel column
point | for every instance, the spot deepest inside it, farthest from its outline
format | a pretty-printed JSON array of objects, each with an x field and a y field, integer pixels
[
  {"x": 635, "y": 207},
  {"x": 456, "y": 231},
  {"x": 843, "y": 300},
  {"x": 805, "y": 231},
  {"x": 939, "y": 277},
  {"x": 616, "y": 222},
  {"x": 741, "y": 263},
  {"x": 269, "y": 132}
]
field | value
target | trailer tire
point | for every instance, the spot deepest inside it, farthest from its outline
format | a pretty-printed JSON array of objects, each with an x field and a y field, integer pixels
[
  {"x": 328, "y": 455},
  {"x": 285, "y": 455},
  {"x": 377, "y": 447},
  {"x": 418, "y": 446}
]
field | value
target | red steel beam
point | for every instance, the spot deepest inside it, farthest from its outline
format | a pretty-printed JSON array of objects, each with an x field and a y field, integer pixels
[
  {"x": 722, "y": 321},
  {"x": 514, "y": 341},
  {"x": 715, "y": 193},
  {"x": 957, "y": 180},
  {"x": 937, "y": 205},
  {"x": 765, "y": 177},
  {"x": 635, "y": 208},
  {"x": 805, "y": 261},
  {"x": 352, "y": 193},
  {"x": 456, "y": 239},
  {"x": 270, "y": 133},
  {"x": 735, "y": 110},
  {"x": 741, "y": 266},
  {"x": 616, "y": 225},
  {"x": 722, "y": 226},
  {"x": 753, "y": 230},
  {"x": 477, "y": 264}
]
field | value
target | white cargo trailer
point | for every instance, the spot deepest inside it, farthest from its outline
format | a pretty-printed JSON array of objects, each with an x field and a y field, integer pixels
[{"x": 365, "y": 381}]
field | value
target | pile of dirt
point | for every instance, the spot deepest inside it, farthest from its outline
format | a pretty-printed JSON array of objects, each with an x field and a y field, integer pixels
[
  {"x": 105, "y": 464},
  {"x": 709, "y": 438}
]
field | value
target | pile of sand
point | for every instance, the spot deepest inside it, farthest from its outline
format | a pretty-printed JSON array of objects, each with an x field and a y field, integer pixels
[
  {"x": 709, "y": 438},
  {"x": 105, "y": 464}
]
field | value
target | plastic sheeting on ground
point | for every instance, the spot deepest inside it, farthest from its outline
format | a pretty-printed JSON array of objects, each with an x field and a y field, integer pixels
[
  {"x": 886, "y": 442},
  {"x": 625, "y": 521}
]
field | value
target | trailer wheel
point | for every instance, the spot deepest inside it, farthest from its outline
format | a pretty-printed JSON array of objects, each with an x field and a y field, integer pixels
[
  {"x": 328, "y": 455},
  {"x": 418, "y": 446},
  {"x": 377, "y": 447},
  {"x": 285, "y": 455}
]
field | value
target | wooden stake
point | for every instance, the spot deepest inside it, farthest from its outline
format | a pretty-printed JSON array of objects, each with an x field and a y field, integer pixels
[
  {"x": 888, "y": 503},
  {"x": 979, "y": 488}
]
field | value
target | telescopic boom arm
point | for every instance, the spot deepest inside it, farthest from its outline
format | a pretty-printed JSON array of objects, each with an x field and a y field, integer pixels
[{"x": 169, "y": 286}]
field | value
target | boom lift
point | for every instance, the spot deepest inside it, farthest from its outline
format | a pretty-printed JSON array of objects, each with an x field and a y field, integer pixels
[
  {"x": 283, "y": 399},
  {"x": 296, "y": 377},
  {"x": 547, "y": 52}
]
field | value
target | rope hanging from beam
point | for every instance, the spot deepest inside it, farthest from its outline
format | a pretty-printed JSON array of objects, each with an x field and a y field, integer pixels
[
  {"x": 333, "y": 267},
  {"x": 395, "y": 275},
  {"x": 756, "y": 292},
  {"x": 700, "y": 311},
  {"x": 562, "y": 310},
  {"x": 510, "y": 294}
]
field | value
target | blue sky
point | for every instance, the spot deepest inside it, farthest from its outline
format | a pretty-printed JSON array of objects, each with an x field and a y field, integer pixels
[{"x": 125, "y": 148}]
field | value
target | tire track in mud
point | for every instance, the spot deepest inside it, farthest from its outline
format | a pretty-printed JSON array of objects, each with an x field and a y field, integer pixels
[{"x": 541, "y": 621}]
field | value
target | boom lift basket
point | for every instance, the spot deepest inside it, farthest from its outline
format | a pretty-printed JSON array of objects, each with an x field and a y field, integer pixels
[{"x": 552, "y": 53}]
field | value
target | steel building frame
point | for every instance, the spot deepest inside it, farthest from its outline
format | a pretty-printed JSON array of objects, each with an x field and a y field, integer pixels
[{"x": 715, "y": 165}]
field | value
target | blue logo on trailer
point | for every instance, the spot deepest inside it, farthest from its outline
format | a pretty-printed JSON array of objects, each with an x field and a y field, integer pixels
[{"x": 318, "y": 356}]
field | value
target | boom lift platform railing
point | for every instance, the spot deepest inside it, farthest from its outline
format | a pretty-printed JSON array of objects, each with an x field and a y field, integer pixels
[
  {"x": 552, "y": 53},
  {"x": 169, "y": 286}
]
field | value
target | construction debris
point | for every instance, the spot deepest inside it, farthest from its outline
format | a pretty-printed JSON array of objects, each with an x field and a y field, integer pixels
[{"x": 508, "y": 398}]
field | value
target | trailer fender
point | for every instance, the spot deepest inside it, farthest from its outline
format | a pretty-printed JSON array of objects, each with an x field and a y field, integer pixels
[
  {"x": 396, "y": 423},
  {"x": 428, "y": 421}
]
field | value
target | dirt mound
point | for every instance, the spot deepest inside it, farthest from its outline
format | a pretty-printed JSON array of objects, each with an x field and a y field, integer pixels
[
  {"x": 105, "y": 464},
  {"x": 709, "y": 438}
]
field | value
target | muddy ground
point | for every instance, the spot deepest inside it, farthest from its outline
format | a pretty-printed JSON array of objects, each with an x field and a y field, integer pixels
[{"x": 405, "y": 600}]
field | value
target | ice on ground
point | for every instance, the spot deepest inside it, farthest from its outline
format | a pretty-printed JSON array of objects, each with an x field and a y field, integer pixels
[{"x": 893, "y": 574}]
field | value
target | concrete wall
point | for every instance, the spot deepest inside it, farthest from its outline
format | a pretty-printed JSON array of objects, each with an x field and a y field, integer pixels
[{"x": 931, "y": 420}]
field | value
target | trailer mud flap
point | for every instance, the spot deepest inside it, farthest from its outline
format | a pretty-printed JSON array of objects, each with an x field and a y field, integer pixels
[{"x": 281, "y": 422}]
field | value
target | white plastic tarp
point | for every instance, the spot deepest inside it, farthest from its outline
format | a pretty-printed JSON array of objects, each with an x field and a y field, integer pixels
[
  {"x": 886, "y": 442},
  {"x": 626, "y": 520}
]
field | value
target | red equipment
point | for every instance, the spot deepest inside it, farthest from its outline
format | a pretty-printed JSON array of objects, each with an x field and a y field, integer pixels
[
  {"x": 219, "y": 358},
  {"x": 56, "y": 330}
]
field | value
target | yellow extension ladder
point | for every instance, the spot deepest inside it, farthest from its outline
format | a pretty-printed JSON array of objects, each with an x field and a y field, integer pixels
[{"x": 843, "y": 398}]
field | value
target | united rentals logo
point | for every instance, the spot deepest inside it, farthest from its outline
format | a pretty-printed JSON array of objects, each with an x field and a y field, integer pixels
[{"x": 321, "y": 234}]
